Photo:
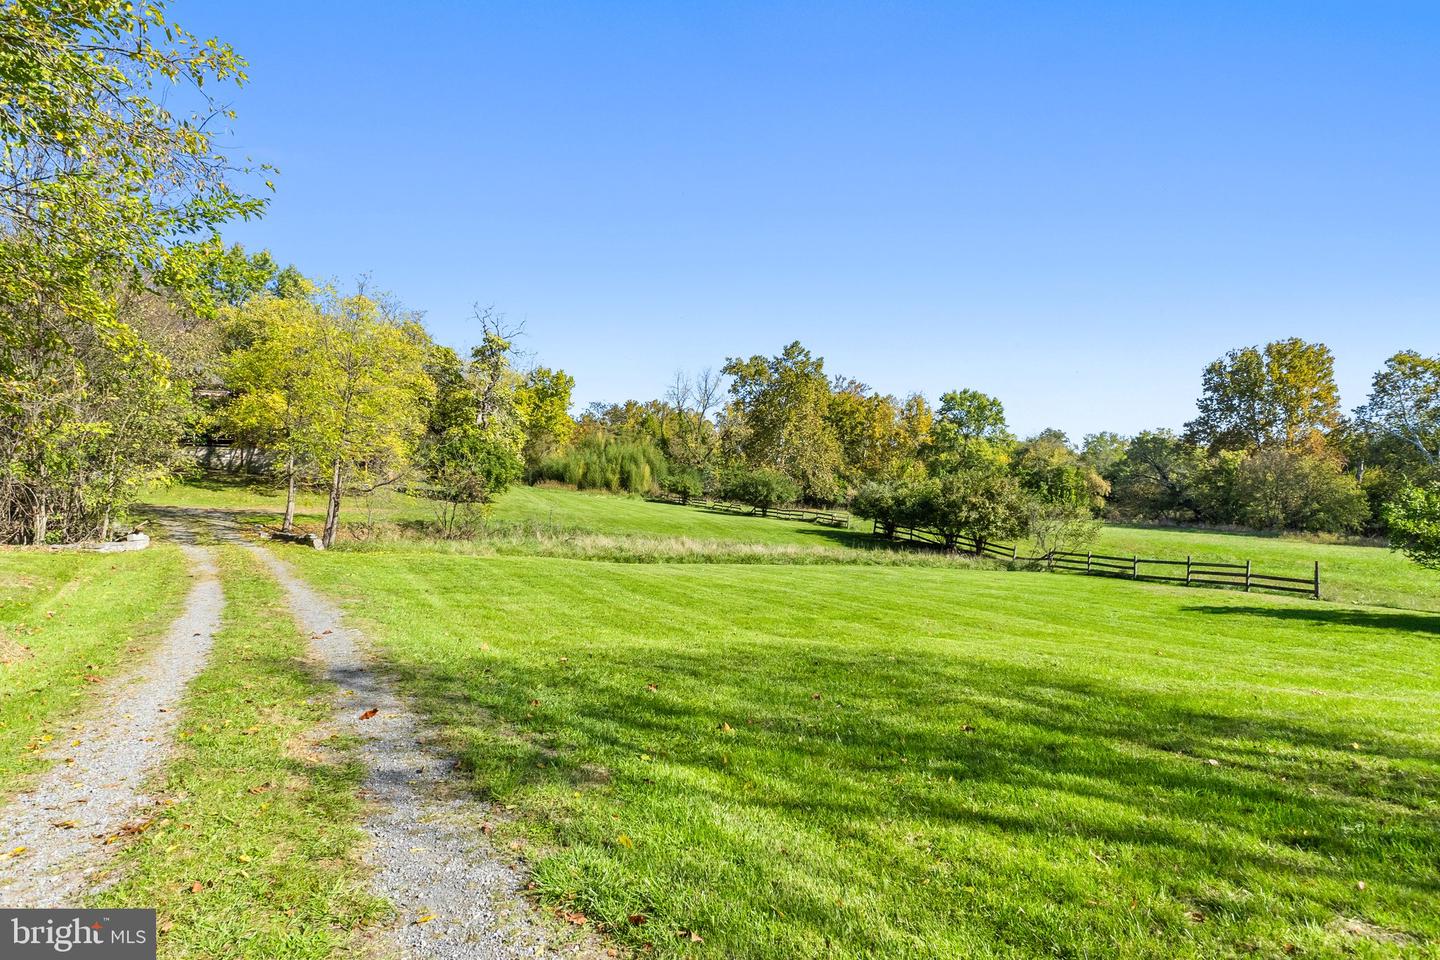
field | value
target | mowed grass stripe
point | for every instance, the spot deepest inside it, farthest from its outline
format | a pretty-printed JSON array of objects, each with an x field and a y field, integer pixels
[
  {"x": 252, "y": 851},
  {"x": 996, "y": 764},
  {"x": 66, "y": 617}
]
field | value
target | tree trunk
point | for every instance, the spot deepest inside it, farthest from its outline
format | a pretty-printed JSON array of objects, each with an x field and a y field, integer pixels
[
  {"x": 332, "y": 509},
  {"x": 42, "y": 521},
  {"x": 288, "y": 526}
]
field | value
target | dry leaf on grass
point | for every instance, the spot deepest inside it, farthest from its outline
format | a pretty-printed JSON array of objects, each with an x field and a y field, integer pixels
[{"x": 369, "y": 713}]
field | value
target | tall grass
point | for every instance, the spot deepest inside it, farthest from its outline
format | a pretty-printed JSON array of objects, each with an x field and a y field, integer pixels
[{"x": 605, "y": 463}]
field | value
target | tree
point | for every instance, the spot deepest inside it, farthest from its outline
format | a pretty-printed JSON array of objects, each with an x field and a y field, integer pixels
[
  {"x": 1050, "y": 470},
  {"x": 778, "y": 419},
  {"x": 475, "y": 433},
  {"x": 760, "y": 488},
  {"x": 102, "y": 192},
  {"x": 542, "y": 401},
  {"x": 882, "y": 501},
  {"x": 280, "y": 397},
  {"x": 1404, "y": 405},
  {"x": 686, "y": 483},
  {"x": 983, "y": 503},
  {"x": 1293, "y": 490},
  {"x": 1054, "y": 526},
  {"x": 1413, "y": 519},
  {"x": 372, "y": 363},
  {"x": 1282, "y": 396},
  {"x": 968, "y": 431},
  {"x": 1157, "y": 477}
]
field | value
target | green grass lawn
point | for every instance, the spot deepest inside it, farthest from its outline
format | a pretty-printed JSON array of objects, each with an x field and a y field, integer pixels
[
  {"x": 252, "y": 853},
  {"x": 70, "y": 624},
  {"x": 847, "y": 761}
]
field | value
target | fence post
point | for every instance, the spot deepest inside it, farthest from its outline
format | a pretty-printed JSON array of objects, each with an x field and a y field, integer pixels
[
  {"x": 1317, "y": 579},
  {"x": 1187, "y": 570},
  {"x": 1087, "y": 561},
  {"x": 1247, "y": 576},
  {"x": 1135, "y": 567}
]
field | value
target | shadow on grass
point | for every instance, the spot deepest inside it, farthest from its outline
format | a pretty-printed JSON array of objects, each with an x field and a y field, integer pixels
[{"x": 1403, "y": 621}]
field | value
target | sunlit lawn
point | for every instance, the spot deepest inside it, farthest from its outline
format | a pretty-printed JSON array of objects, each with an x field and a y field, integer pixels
[
  {"x": 851, "y": 761},
  {"x": 71, "y": 625}
]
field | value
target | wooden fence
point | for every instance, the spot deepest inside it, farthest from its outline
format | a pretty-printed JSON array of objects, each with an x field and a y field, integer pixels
[
  {"x": 1196, "y": 572},
  {"x": 824, "y": 517}
]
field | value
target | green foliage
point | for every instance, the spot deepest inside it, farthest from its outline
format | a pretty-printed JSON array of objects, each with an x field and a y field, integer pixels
[
  {"x": 778, "y": 419},
  {"x": 600, "y": 462},
  {"x": 103, "y": 192},
  {"x": 983, "y": 503},
  {"x": 759, "y": 487},
  {"x": 1288, "y": 490},
  {"x": 467, "y": 469},
  {"x": 542, "y": 400},
  {"x": 883, "y": 501},
  {"x": 1282, "y": 396},
  {"x": 685, "y": 483},
  {"x": 969, "y": 431},
  {"x": 1049, "y": 470},
  {"x": 1413, "y": 519},
  {"x": 1402, "y": 414}
]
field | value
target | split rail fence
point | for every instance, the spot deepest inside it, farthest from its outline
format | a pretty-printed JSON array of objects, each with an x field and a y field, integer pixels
[
  {"x": 1190, "y": 572},
  {"x": 824, "y": 517}
]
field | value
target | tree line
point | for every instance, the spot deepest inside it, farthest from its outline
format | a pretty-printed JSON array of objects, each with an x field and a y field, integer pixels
[
  {"x": 1270, "y": 448},
  {"x": 127, "y": 327}
]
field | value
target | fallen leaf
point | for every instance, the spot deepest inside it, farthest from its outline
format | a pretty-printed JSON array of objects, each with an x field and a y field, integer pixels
[
  {"x": 1196, "y": 916},
  {"x": 651, "y": 687},
  {"x": 70, "y": 825},
  {"x": 638, "y": 919},
  {"x": 625, "y": 842},
  {"x": 17, "y": 851},
  {"x": 814, "y": 696},
  {"x": 487, "y": 827},
  {"x": 426, "y": 918},
  {"x": 726, "y": 728},
  {"x": 196, "y": 887},
  {"x": 579, "y": 919},
  {"x": 369, "y": 713},
  {"x": 260, "y": 788},
  {"x": 1212, "y": 762}
]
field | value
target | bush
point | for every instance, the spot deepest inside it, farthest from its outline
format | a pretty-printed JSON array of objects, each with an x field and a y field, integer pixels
[
  {"x": 1414, "y": 521},
  {"x": 759, "y": 487},
  {"x": 685, "y": 484},
  {"x": 1056, "y": 526},
  {"x": 882, "y": 501},
  {"x": 983, "y": 503},
  {"x": 467, "y": 470},
  {"x": 1289, "y": 490},
  {"x": 602, "y": 463}
]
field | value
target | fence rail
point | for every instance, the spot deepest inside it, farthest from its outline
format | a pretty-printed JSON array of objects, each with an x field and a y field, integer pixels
[
  {"x": 1197, "y": 572},
  {"x": 825, "y": 517}
]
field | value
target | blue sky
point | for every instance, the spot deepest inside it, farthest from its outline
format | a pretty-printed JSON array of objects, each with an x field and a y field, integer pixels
[{"x": 1073, "y": 206}]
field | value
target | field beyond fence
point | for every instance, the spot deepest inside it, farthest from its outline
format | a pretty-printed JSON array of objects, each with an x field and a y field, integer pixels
[{"x": 1195, "y": 572}]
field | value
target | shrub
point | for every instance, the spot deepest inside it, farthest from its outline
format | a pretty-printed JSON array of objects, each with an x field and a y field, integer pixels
[
  {"x": 882, "y": 501},
  {"x": 983, "y": 503},
  {"x": 759, "y": 487},
  {"x": 1414, "y": 521},
  {"x": 685, "y": 484},
  {"x": 1055, "y": 526},
  {"x": 1290, "y": 490},
  {"x": 602, "y": 463}
]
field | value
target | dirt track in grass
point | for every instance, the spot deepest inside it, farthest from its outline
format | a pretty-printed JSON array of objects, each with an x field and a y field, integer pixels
[{"x": 68, "y": 818}]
